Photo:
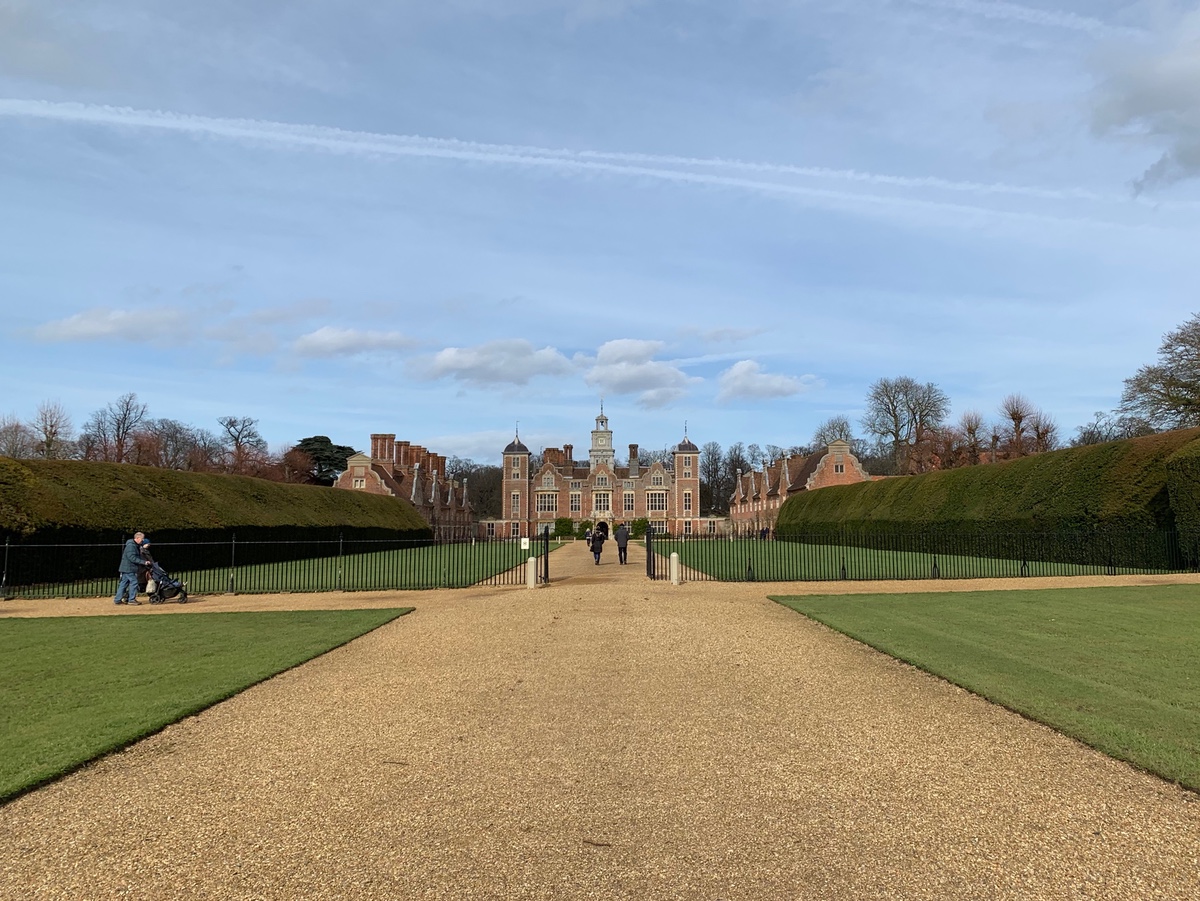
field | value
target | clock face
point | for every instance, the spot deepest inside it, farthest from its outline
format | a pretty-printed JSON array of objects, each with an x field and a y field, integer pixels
[{"x": 601, "y": 441}]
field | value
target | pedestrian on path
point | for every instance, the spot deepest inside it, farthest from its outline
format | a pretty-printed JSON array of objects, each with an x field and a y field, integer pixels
[
  {"x": 597, "y": 545},
  {"x": 621, "y": 537},
  {"x": 132, "y": 562}
]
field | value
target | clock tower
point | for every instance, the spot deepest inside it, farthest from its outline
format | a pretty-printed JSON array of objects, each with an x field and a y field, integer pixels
[{"x": 602, "y": 446}]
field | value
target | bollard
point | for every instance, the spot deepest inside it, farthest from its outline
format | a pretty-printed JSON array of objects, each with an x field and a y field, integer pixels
[
  {"x": 676, "y": 570},
  {"x": 531, "y": 572}
]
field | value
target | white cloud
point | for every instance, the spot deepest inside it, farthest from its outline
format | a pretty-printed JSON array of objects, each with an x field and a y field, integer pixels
[
  {"x": 102, "y": 324},
  {"x": 330, "y": 341},
  {"x": 512, "y": 361},
  {"x": 1002, "y": 11},
  {"x": 746, "y": 380},
  {"x": 1152, "y": 92},
  {"x": 627, "y": 366}
]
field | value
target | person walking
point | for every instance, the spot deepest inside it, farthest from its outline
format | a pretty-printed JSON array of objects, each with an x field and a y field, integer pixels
[
  {"x": 131, "y": 562},
  {"x": 597, "y": 545},
  {"x": 621, "y": 537}
]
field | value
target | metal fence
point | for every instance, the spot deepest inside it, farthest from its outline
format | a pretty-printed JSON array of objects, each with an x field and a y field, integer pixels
[
  {"x": 858, "y": 556},
  {"x": 246, "y": 567}
]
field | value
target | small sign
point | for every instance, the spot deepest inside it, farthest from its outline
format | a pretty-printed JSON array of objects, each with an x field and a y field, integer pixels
[{"x": 524, "y": 544}]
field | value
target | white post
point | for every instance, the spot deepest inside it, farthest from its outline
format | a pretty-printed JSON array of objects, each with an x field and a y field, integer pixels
[
  {"x": 531, "y": 572},
  {"x": 676, "y": 570}
]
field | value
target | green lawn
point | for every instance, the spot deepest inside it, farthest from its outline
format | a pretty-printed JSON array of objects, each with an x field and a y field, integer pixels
[
  {"x": 788, "y": 561},
  {"x": 74, "y": 688},
  {"x": 1116, "y": 668}
]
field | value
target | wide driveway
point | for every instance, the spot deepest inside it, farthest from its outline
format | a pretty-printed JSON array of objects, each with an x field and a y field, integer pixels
[{"x": 603, "y": 738}]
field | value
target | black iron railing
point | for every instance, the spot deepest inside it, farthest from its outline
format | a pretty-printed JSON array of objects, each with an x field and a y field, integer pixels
[
  {"x": 235, "y": 566},
  {"x": 917, "y": 556}
]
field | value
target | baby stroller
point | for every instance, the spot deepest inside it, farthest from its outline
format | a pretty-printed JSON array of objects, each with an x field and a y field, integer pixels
[{"x": 162, "y": 587}]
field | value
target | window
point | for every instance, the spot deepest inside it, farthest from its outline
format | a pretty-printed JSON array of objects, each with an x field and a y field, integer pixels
[
  {"x": 687, "y": 527},
  {"x": 687, "y": 462},
  {"x": 515, "y": 530},
  {"x": 687, "y": 502},
  {"x": 839, "y": 467},
  {"x": 547, "y": 503},
  {"x": 601, "y": 481},
  {"x": 360, "y": 483},
  {"x": 629, "y": 483},
  {"x": 515, "y": 504},
  {"x": 577, "y": 484},
  {"x": 656, "y": 480},
  {"x": 656, "y": 501},
  {"x": 687, "y": 473},
  {"x": 712, "y": 527},
  {"x": 548, "y": 480},
  {"x": 602, "y": 502},
  {"x": 491, "y": 530},
  {"x": 628, "y": 501},
  {"x": 659, "y": 526},
  {"x": 576, "y": 502}
]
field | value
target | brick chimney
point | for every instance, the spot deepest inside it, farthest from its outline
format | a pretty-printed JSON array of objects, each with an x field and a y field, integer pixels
[
  {"x": 381, "y": 447},
  {"x": 402, "y": 453},
  {"x": 633, "y": 461},
  {"x": 569, "y": 451}
]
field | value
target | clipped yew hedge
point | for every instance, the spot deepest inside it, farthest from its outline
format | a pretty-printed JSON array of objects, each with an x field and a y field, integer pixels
[
  {"x": 51, "y": 501},
  {"x": 1073, "y": 505}
]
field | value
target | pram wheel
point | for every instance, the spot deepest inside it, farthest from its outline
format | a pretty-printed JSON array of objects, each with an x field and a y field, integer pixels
[{"x": 182, "y": 596}]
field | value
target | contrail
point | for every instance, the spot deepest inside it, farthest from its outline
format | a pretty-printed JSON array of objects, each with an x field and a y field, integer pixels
[{"x": 662, "y": 168}]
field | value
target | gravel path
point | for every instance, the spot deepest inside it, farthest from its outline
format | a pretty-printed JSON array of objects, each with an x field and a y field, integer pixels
[{"x": 604, "y": 737}]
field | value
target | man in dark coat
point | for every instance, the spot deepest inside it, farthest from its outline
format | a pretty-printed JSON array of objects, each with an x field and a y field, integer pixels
[
  {"x": 621, "y": 537},
  {"x": 597, "y": 544},
  {"x": 131, "y": 562}
]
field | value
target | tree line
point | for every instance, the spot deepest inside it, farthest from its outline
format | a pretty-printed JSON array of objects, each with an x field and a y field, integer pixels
[{"x": 123, "y": 431}]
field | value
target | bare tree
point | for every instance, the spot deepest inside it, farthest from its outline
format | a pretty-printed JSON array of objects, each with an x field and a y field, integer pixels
[
  {"x": 16, "y": 439},
  {"x": 1017, "y": 411},
  {"x": 1107, "y": 427},
  {"x": 108, "y": 433},
  {"x": 52, "y": 432},
  {"x": 835, "y": 428},
  {"x": 714, "y": 493},
  {"x": 774, "y": 452},
  {"x": 755, "y": 455},
  {"x": 244, "y": 446},
  {"x": 906, "y": 413},
  {"x": 1167, "y": 394},
  {"x": 1043, "y": 431},
  {"x": 971, "y": 427}
]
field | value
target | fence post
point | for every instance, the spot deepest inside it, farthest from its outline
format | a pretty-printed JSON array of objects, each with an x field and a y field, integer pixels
[
  {"x": 546, "y": 555},
  {"x": 531, "y": 572},
  {"x": 676, "y": 569},
  {"x": 4, "y": 577},
  {"x": 341, "y": 552},
  {"x": 232, "y": 559},
  {"x": 937, "y": 573},
  {"x": 650, "y": 552}
]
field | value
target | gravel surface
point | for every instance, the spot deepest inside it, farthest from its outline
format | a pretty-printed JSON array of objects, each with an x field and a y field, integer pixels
[{"x": 604, "y": 737}]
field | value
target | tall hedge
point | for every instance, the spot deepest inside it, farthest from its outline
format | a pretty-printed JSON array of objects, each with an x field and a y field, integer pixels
[
  {"x": 1121, "y": 487},
  {"x": 1183, "y": 482},
  {"x": 52, "y": 500}
]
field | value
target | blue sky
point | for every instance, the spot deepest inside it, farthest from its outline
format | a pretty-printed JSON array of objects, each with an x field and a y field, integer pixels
[{"x": 441, "y": 219}]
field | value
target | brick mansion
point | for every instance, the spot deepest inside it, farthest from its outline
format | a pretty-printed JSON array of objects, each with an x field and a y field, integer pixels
[
  {"x": 536, "y": 492},
  {"x": 597, "y": 489}
]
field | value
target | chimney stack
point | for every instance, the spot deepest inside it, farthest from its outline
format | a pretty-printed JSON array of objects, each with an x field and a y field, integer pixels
[{"x": 633, "y": 461}]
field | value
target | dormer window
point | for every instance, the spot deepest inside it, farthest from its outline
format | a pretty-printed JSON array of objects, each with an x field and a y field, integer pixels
[
  {"x": 548, "y": 481},
  {"x": 656, "y": 480}
]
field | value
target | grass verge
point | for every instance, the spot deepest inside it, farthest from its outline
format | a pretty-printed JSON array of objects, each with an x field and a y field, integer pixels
[
  {"x": 75, "y": 688},
  {"x": 1116, "y": 668}
]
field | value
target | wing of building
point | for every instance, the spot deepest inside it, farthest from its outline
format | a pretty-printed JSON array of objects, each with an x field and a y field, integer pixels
[
  {"x": 758, "y": 494},
  {"x": 410, "y": 471}
]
